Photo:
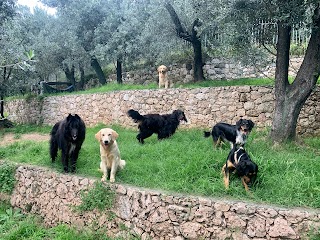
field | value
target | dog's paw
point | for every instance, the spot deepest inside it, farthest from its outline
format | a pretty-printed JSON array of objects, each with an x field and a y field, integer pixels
[
  {"x": 103, "y": 179},
  {"x": 112, "y": 179}
]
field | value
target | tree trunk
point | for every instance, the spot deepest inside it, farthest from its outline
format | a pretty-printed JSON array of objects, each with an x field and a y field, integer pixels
[
  {"x": 289, "y": 99},
  {"x": 97, "y": 68},
  {"x": 81, "y": 83},
  {"x": 119, "y": 72},
  {"x": 198, "y": 64},
  {"x": 70, "y": 74},
  {"x": 1, "y": 107},
  {"x": 193, "y": 38},
  {"x": 4, "y": 123}
]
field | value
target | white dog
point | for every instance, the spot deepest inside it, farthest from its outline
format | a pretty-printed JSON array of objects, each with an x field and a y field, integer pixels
[
  {"x": 110, "y": 154},
  {"x": 163, "y": 77}
]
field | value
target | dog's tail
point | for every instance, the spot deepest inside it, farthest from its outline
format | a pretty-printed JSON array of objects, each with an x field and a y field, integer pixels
[
  {"x": 135, "y": 115},
  {"x": 206, "y": 134},
  {"x": 122, "y": 164}
]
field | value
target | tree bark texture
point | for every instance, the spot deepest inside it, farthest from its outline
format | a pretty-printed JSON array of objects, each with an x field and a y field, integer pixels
[
  {"x": 193, "y": 38},
  {"x": 70, "y": 74},
  {"x": 290, "y": 98},
  {"x": 82, "y": 80},
  {"x": 97, "y": 68},
  {"x": 119, "y": 72}
]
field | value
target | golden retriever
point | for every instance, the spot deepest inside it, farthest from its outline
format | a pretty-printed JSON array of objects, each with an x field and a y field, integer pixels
[
  {"x": 110, "y": 154},
  {"x": 163, "y": 77}
]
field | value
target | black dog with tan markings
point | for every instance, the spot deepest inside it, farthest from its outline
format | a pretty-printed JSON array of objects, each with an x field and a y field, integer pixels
[{"x": 239, "y": 160}]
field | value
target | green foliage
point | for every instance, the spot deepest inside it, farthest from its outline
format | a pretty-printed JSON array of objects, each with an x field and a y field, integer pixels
[
  {"x": 100, "y": 197},
  {"x": 7, "y": 178},
  {"x": 298, "y": 50}
]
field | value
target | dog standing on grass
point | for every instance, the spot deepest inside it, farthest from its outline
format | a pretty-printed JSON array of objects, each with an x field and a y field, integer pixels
[
  {"x": 109, "y": 154},
  {"x": 67, "y": 135},
  {"x": 164, "y": 125},
  {"x": 235, "y": 134},
  {"x": 240, "y": 161},
  {"x": 163, "y": 77}
]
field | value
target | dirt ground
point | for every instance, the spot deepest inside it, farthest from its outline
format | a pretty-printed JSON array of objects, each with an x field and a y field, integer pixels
[{"x": 9, "y": 138}]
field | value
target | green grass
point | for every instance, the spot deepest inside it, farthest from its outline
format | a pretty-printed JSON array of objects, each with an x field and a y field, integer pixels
[
  {"x": 187, "y": 163},
  {"x": 14, "y": 225}
]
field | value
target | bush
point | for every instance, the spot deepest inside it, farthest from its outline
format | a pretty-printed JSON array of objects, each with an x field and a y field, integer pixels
[{"x": 7, "y": 179}]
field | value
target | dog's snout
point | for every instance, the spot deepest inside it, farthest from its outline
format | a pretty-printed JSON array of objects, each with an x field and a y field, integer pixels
[{"x": 106, "y": 142}]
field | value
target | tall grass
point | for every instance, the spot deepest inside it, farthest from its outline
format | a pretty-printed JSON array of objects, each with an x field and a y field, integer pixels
[{"x": 187, "y": 163}]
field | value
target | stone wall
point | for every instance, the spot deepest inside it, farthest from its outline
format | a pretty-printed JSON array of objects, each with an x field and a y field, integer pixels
[
  {"x": 217, "y": 69},
  {"x": 203, "y": 107},
  {"x": 157, "y": 215}
]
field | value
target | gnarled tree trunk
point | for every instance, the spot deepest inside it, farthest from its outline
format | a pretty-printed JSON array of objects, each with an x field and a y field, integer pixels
[
  {"x": 193, "y": 38},
  {"x": 290, "y": 98}
]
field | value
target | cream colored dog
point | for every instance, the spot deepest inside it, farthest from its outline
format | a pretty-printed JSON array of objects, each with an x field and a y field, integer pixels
[
  {"x": 163, "y": 77},
  {"x": 110, "y": 154}
]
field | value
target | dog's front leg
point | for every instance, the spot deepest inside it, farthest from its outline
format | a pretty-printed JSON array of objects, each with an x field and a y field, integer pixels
[
  {"x": 166, "y": 84},
  {"x": 104, "y": 170},
  {"x": 114, "y": 168},
  {"x": 64, "y": 160},
  {"x": 225, "y": 172},
  {"x": 74, "y": 157},
  {"x": 243, "y": 179}
]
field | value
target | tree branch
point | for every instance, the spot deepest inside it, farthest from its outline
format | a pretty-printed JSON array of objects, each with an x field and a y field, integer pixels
[{"x": 181, "y": 31}]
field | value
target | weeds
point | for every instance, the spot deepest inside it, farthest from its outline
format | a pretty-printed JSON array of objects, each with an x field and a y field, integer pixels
[
  {"x": 14, "y": 225},
  {"x": 7, "y": 179},
  {"x": 100, "y": 197}
]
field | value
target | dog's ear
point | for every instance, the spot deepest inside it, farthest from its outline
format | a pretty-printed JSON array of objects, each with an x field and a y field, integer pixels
[
  {"x": 69, "y": 117},
  {"x": 238, "y": 124},
  {"x": 251, "y": 124},
  {"x": 98, "y": 136},
  {"x": 158, "y": 69},
  {"x": 115, "y": 135}
]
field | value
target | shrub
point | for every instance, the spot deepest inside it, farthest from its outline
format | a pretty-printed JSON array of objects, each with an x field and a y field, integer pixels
[{"x": 7, "y": 179}]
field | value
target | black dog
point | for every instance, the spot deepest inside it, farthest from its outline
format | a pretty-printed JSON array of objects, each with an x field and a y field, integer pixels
[
  {"x": 67, "y": 135},
  {"x": 163, "y": 125},
  {"x": 239, "y": 160},
  {"x": 235, "y": 134}
]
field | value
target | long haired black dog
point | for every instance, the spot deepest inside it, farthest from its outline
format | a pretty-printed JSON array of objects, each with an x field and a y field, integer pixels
[
  {"x": 67, "y": 135},
  {"x": 235, "y": 134},
  {"x": 239, "y": 160},
  {"x": 163, "y": 125}
]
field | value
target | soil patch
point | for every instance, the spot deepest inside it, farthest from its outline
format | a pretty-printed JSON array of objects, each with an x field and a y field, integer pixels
[{"x": 9, "y": 138}]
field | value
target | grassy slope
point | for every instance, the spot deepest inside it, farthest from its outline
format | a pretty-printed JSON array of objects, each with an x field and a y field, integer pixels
[{"x": 187, "y": 163}]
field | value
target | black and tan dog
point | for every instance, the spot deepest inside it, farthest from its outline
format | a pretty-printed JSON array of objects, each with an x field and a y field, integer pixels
[
  {"x": 235, "y": 134},
  {"x": 239, "y": 160}
]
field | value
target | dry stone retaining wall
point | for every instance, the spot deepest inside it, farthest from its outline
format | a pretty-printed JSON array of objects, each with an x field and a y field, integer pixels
[
  {"x": 157, "y": 215},
  {"x": 217, "y": 69},
  {"x": 203, "y": 107}
]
